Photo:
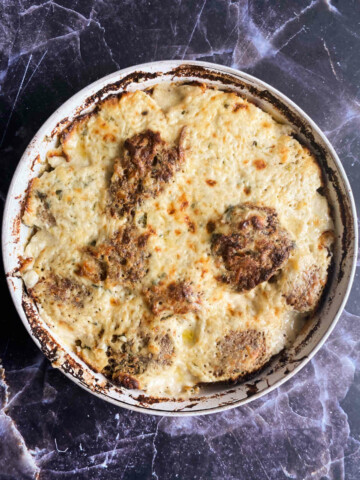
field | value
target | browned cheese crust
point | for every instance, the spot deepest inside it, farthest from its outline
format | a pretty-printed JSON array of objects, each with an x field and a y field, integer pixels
[
  {"x": 121, "y": 259},
  {"x": 174, "y": 298},
  {"x": 147, "y": 164},
  {"x": 43, "y": 210},
  {"x": 249, "y": 245},
  {"x": 133, "y": 360},
  {"x": 62, "y": 290}
]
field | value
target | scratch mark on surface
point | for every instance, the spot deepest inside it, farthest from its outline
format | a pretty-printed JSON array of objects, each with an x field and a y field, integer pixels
[
  {"x": 35, "y": 69},
  {"x": 331, "y": 7},
  {"x": 292, "y": 37},
  {"x": 15, "y": 101},
  {"x": 153, "y": 473},
  {"x": 292, "y": 19},
  {"x": 193, "y": 30},
  {"x": 330, "y": 60},
  {"x": 58, "y": 449}
]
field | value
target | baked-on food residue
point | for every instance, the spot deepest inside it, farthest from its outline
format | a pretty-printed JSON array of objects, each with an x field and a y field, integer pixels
[{"x": 179, "y": 237}]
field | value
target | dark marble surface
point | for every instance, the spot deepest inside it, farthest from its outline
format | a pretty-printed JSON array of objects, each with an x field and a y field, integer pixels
[{"x": 307, "y": 429}]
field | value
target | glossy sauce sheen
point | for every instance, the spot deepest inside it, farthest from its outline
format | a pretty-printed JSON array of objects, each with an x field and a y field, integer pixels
[{"x": 146, "y": 295}]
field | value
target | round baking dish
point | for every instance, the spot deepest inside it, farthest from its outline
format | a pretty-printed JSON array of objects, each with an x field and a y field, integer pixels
[{"x": 284, "y": 366}]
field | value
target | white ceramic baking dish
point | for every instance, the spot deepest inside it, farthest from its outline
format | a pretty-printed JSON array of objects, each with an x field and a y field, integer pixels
[{"x": 284, "y": 366}]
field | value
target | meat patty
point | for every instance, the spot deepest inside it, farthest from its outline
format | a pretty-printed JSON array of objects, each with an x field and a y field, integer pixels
[
  {"x": 304, "y": 291},
  {"x": 174, "y": 298},
  {"x": 167, "y": 349},
  {"x": 249, "y": 245},
  {"x": 60, "y": 289},
  {"x": 148, "y": 163},
  {"x": 129, "y": 361},
  {"x": 239, "y": 353},
  {"x": 43, "y": 210},
  {"x": 123, "y": 258}
]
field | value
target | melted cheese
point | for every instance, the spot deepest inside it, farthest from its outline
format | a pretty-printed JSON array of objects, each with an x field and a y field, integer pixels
[{"x": 234, "y": 153}]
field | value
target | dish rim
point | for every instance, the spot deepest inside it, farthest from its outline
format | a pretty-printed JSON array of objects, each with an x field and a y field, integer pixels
[{"x": 170, "y": 64}]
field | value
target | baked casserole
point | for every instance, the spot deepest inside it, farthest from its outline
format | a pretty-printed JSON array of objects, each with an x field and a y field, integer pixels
[{"x": 180, "y": 236}]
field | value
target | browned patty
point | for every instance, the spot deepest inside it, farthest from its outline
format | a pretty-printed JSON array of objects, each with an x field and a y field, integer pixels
[
  {"x": 304, "y": 293},
  {"x": 43, "y": 210},
  {"x": 239, "y": 353},
  {"x": 58, "y": 289},
  {"x": 167, "y": 350},
  {"x": 148, "y": 163},
  {"x": 126, "y": 363},
  {"x": 249, "y": 244},
  {"x": 174, "y": 298},
  {"x": 123, "y": 258}
]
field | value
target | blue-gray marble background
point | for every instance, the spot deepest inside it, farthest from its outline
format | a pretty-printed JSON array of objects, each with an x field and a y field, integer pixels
[{"x": 307, "y": 429}]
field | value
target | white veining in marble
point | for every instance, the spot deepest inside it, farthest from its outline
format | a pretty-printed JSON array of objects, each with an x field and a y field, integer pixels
[{"x": 310, "y": 427}]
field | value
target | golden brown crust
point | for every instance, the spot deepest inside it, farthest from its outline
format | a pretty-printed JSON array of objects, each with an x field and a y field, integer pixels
[
  {"x": 249, "y": 244},
  {"x": 148, "y": 163},
  {"x": 240, "y": 353},
  {"x": 327, "y": 240},
  {"x": 26, "y": 206},
  {"x": 174, "y": 298}
]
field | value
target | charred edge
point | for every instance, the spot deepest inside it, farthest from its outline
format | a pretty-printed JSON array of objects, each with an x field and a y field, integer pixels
[
  {"x": 34, "y": 162},
  {"x": 287, "y": 359},
  {"x": 78, "y": 120},
  {"x": 65, "y": 127},
  {"x": 145, "y": 400},
  {"x": 126, "y": 380},
  {"x": 16, "y": 227},
  {"x": 98, "y": 98},
  {"x": 282, "y": 359},
  {"x": 242, "y": 379},
  {"x": 16, "y": 272},
  {"x": 186, "y": 407},
  {"x": 190, "y": 406},
  {"x": 149, "y": 91},
  {"x": 50, "y": 348},
  {"x": 308, "y": 336},
  {"x": 195, "y": 83},
  {"x": 26, "y": 199},
  {"x": 135, "y": 77},
  {"x": 71, "y": 367},
  {"x": 345, "y": 213},
  {"x": 60, "y": 125},
  {"x": 251, "y": 389},
  {"x": 327, "y": 173}
]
